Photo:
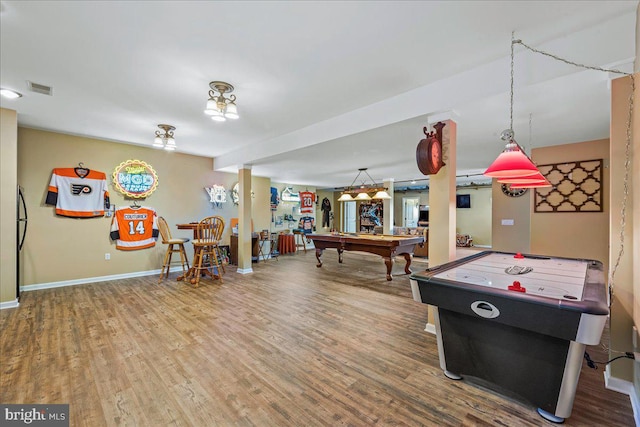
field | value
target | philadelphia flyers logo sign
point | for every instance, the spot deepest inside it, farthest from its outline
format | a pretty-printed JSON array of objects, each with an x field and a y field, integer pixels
[{"x": 80, "y": 189}]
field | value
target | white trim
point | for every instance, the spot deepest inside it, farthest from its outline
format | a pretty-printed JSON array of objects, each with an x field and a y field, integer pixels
[
  {"x": 624, "y": 387},
  {"x": 635, "y": 405},
  {"x": 245, "y": 270},
  {"x": 431, "y": 328},
  {"x": 9, "y": 304},
  {"x": 616, "y": 384},
  {"x": 482, "y": 246},
  {"x": 85, "y": 280}
]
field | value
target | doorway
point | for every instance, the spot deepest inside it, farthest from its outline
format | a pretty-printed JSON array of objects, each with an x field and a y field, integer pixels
[
  {"x": 349, "y": 218},
  {"x": 410, "y": 207}
]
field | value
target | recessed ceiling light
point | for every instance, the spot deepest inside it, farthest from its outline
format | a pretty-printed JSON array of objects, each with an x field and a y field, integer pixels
[{"x": 11, "y": 94}]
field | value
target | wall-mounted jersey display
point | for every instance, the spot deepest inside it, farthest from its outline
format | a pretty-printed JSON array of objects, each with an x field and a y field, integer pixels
[
  {"x": 275, "y": 199},
  {"x": 307, "y": 224},
  {"x": 78, "y": 192},
  {"x": 307, "y": 198},
  {"x": 134, "y": 227}
]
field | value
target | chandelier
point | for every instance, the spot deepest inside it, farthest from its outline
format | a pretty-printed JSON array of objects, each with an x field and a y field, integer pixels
[
  {"x": 164, "y": 139},
  {"x": 513, "y": 166},
  {"x": 364, "y": 191},
  {"x": 219, "y": 107}
]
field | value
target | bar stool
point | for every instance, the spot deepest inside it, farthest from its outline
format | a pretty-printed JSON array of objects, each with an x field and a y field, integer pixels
[
  {"x": 300, "y": 240},
  {"x": 173, "y": 246},
  {"x": 206, "y": 249},
  {"x": 263, "y": 239}
]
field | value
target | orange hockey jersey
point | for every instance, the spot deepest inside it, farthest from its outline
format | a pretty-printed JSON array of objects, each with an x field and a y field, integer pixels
[
  {"x": 307, "y": 198},
  {"x": 134, "y": 228},
  {"x": 78, "y": 192}
]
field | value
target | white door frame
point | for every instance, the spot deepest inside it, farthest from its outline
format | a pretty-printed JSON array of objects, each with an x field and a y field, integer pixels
[{"x": 412, "y": 203}]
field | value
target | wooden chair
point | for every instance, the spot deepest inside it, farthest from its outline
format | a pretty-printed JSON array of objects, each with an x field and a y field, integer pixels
[
  {"x": 206, "y": 246},
  {"x": 173, "y": 246}
]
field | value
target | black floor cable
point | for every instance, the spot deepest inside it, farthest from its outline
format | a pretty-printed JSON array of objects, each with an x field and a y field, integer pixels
[{"x": 592, "y": 364}]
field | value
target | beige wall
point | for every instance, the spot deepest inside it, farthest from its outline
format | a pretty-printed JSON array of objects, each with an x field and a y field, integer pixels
[
  {"x": 398, "y": 215},
  {"x": 260, "y": 203},
  {"x": 329, "y": 195},
  {"x": 8, "y": 188},
  {"x": 622, "y": 307},
  {"x": 573, "y": 235},
  {"x": 476, "y": 221},
  {"x": 510, "y": 238},
  {"x": 62, "y": 249}
]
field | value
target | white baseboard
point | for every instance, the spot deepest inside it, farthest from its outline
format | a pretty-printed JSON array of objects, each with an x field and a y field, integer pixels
[
  {"x": 245, "y": 270},
  {"x": 624, "y": 387},
  {"x": 9, "y": 304},
  {"x": 85, "y": 280},
  {"x": 431, "y": 328},
  {"x": 482, "y": 246}
]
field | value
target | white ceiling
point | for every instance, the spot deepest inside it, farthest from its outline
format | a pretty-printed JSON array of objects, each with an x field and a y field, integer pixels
[{"x": 323, "y": 88}]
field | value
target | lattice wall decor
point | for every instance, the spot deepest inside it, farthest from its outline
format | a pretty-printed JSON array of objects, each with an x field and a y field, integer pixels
[{"x": 575, "y": 187}]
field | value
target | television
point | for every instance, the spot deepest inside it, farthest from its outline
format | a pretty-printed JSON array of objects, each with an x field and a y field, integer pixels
[
  {"x": 463, "y": 201},
  {"x": 423, "y": 214}
]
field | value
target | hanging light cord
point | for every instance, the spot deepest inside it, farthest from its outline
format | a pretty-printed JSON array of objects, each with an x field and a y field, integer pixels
[{"x": 627, "y": 150}]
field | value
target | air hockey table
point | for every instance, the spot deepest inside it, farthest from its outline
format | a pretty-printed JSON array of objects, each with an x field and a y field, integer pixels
[{"x": 517, "y": 324}]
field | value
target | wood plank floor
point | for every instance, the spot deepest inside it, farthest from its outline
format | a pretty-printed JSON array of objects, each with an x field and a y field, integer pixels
[{"x": 289, "y": 345}]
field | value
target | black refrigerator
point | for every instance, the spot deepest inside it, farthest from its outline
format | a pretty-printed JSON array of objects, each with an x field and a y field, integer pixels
[{"x": 21, "y": 232}]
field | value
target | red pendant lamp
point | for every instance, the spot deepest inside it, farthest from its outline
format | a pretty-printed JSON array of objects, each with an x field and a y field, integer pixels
[
  {"x": 512, "y": 162},
  {"x": 537, "y": 177}
]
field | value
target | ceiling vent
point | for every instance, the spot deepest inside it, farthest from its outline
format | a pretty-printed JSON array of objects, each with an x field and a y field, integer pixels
[{"x": 38, "y": 88}]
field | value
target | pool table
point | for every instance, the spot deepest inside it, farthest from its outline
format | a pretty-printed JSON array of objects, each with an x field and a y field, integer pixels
[{"x": 384, "y": 245}]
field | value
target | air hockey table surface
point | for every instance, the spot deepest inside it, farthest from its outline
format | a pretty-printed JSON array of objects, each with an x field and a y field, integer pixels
[
  {"x": 517, "y": 322},
  {"x": 543, "y": 276}
]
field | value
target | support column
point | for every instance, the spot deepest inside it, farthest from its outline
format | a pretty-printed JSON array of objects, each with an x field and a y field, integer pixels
[
  {"x": 442, "y": 202},
  {"x": 244, "y": 220},
  {"x": 442, "y": 207},
  {"x": 625, "y": 290},
  {"x": 388, "y": 207},
  {"x": 8, "y": 190}
]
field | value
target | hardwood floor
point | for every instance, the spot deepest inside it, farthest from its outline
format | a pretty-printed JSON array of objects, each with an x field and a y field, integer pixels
[{"x": 289, "y": 345}]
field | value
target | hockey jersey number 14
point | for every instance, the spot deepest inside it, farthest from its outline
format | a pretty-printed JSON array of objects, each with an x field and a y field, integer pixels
[{"x": 134, "y": 228}]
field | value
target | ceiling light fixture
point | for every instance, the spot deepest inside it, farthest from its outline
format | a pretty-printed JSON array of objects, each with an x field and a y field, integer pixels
[
  {"x": 165, "y": 139},
  {"x": 363, "y": 191},
  {"x": 10, "y": 94},
  {"x": 219, "y": 107},
  {"x": 513, "y": 162}
]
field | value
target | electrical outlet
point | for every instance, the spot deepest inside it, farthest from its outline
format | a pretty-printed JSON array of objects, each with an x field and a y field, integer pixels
[{"x": 107, "y": 256}]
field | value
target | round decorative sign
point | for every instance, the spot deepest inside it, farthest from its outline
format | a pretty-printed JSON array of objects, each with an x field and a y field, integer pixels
[{"x": 135, "y": 178}]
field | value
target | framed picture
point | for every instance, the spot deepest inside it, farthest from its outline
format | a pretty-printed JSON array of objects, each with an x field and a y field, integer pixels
[{"x": 278, "y": 221}]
